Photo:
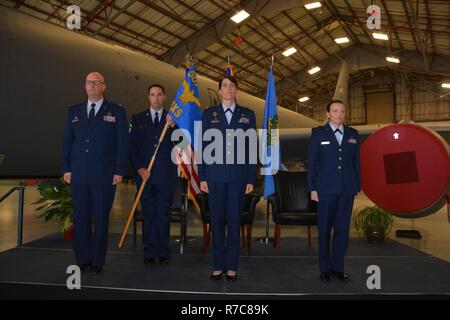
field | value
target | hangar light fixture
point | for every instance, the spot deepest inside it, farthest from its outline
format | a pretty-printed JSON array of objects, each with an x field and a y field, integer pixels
[
  {"x": 313, "y": 5},
  {"x": 342, "y": 40},
  {"x": 289, "y": 51},
  {"x": 240, "y": 16},
  {"x": 393, "y": 59},
  {"x": 380, "y": 36},
  {"x": 446, "y": 85},
  {"x": 303, "y": 99},
  {"x": 314, "y": 70}
]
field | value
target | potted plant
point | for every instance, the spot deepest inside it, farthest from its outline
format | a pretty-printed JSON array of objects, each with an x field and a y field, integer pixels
[
  {"x": 374, "y": 222},
  {"x": 56, "y": 204}
]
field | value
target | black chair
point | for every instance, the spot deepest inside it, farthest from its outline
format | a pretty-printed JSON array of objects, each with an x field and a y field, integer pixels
[
  {"x": 291, "y": 204},
  {"x": 248, "y": 215},
  {"x": 177, "y": 213}
]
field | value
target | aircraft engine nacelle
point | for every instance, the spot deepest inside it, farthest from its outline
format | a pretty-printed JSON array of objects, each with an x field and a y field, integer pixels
[{"x": 405, "y": 169}]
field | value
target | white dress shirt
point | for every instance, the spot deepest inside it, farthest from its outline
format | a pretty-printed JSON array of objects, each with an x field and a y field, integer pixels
[
  {"x": 229, "y": 115},
  {"x": 153, "y": 113},
  {"x": 339, "y": 135},
  {"x": 98, "y": 104}
]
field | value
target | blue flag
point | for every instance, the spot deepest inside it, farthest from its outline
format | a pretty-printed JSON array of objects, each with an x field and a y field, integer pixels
[
  {"x": 271, "y": 137},
  {"x": 185, "y": 108}
]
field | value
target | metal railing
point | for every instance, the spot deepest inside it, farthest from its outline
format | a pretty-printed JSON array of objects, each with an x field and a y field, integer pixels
[{"x": 21, "y": 190}]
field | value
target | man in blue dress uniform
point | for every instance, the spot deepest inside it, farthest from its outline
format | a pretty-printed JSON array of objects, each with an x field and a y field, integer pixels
[
  {"x": 156, "y": 199},
  {"x": 228, "y": 182},
  {"x": 94, "y": 160},
  {"x": 333, "y": 180}
]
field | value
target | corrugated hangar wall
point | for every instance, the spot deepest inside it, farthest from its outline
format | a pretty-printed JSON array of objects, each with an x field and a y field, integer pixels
[{"x": 412, "y": 99}]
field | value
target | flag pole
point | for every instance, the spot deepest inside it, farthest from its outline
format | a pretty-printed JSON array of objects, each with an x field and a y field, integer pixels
[
  {"x": 267, "y": 239},
  {"x": 267, "y": 222},
  {"x": 141, "y": 189},
  {"x": 268, "y": 204}
]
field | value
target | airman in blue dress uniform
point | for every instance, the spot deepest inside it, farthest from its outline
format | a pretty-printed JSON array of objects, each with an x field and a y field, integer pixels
[
  {"x": 333, "y": 180},
  {"x": 227, "y": 183},
  {"x": 94, "y": 161},
  {"x": 156, "y": 199}
]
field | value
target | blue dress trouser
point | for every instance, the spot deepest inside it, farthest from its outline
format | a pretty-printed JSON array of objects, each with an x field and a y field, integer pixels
[
  {"x": 334, "y": 212},
  {"x": 226, "y": 202},
  {"x": 91, "y": 204},
  {"x": 156, "y": 201}
]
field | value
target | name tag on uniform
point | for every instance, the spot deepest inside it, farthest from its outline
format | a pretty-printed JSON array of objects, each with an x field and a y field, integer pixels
[
  {"x": 109, "y": 118},
  {"x": 351, "y": 140},
  {"x": 325, "y": 142},
  {"x": 215, "y": 121},
  {"x": 75, "y": 119}
]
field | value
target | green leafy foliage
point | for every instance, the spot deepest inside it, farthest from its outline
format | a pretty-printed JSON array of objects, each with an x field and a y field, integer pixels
[
  {"x": 373, "y": 219},
  {"x": 56, "y": 203}
]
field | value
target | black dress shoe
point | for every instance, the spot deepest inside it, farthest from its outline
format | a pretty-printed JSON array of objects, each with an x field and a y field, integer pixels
[
  {"x": 96, "y": 270},
  {"x": 149, "y": 261},
  {"x": 85, "y": 267},
  {"x": 325, "y": 276},
  {"x": 216, "y": 277},
  {"x": 164, "y": 261},
  {"x": 231, "y": 278},
  {"x": 340, "y": 276}
]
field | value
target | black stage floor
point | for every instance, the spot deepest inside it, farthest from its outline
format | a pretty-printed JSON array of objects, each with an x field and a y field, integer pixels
[{"x": 38, "y": 270}]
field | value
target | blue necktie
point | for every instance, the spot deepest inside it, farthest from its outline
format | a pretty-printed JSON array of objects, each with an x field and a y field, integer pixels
[
  {"x": 339, "y": 137},
  {"x": 156, "y": 120},
  {"x": 231, "y": 112},
  {"x": 91, "y": 116}
]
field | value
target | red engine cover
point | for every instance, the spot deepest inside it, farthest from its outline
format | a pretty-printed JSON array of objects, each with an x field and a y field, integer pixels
[{"x": 405, "y": 169}]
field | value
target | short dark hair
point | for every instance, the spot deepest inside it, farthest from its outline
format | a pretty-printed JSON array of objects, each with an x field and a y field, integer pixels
[
  {"x": 231, "y": 78},
  {"x": 334, "y": 101},
  {"x": 156, "y": 85}
]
